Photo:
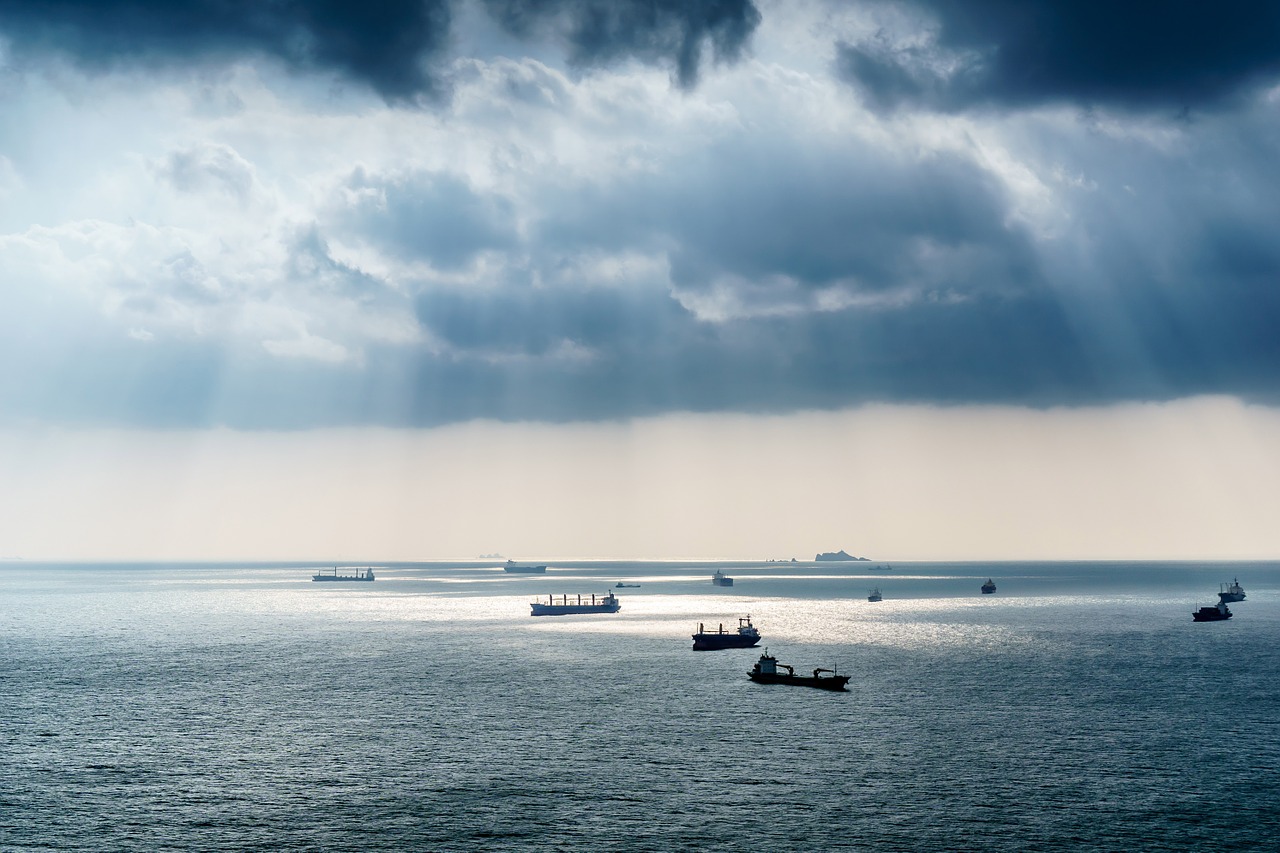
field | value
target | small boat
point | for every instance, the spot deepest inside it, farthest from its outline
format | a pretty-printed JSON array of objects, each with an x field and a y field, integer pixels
[
  {"x": 721, "y": 579},
  {"x": 361, "y": 575},
  {"x": 988, "y": 587},
  {"x": 766, "y": 672},
  {"x": 744, "y": 638},
  {"x": 875, "y": 595},
  {"x": 621, "y": 585},
  {"x": 1217, "y": 613},
  {"x": 524, "y": 570},
  {"x": 1231, "y": 592},
  {"x": 567, "y": 606}
]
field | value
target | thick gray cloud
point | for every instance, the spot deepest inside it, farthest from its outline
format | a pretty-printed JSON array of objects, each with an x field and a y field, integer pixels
[
  {"x": 384, "y": 44},
  {"x": 394, "y": 46},
  {"x": 602, "y": 31},
  {"x": 1136, "y": 54},
  {"x": 559, "y": 247},
  {"x": 432, "y": 217}
]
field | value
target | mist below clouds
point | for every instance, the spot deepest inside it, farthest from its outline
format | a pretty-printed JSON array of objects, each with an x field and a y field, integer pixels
[{"x": 1188, "y": 480}]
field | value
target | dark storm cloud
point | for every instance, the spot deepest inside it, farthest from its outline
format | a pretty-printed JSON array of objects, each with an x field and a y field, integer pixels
[
  {"x": 529, "y": 321},
  {"x": 603, "y": 31},
  {"x": 820, "y": 217},
  {"x": 1135, "y": 54},
  {"x": 1161, "y": 286},
  {"x": 434, "y": 217},
  {"x": 394, "y": 46},
  {"x": 1167, "y": 289},
  {"x": 384, "y": 44},
  {"x": 1173, "y": 275}
]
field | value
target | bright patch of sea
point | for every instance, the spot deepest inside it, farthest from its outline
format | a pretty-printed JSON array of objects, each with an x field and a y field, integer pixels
[{"x": 243, "y": 707}]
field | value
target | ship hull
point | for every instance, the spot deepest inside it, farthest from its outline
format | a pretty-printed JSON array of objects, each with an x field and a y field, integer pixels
[
  {"x": 1210, "y": 614},
  {"x": 572, "y": 609},
  {"x": 834, "y": 682},
  {"x": 331, "y": 578},
  {"x": 525, "y": 570},
  {"x": 713, "y": 642}
]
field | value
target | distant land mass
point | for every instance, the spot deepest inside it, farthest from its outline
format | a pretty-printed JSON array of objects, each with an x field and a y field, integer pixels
[{"x": 837, "y": 555}]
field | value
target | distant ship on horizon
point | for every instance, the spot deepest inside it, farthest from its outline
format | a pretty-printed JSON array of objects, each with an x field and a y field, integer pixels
[
  {"x": 526, "y": 570},
  {"x": 361, "y": 575}
]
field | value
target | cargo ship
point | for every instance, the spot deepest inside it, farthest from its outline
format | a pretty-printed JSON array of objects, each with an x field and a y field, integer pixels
[
  {"x": 1231, "y": 592},
  {"x": 1217, "y": 613},
  {"x": 567, "y": 605},
  {"x": 766, "y": 672},
  {"x": 363, "y": 575},
  {"x": 744, "y": 638},
  {"x": 988, "y": 587},
  {"x": 721, "y": 579},
  {"x": 512, "y": 567}
]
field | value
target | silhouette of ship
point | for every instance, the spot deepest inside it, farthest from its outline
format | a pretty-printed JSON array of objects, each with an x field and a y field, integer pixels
[
  {"x": 1217, "y": 613},
  {"x": 361, "y": 575},
  {"x": 744, "y": 638},
  {"x": 1231, "y": 592},
  {"x": 988, "y": 587},
  {"x": 526, "y": 570},
  {"x": 721, "y": 579},
  {"x": 766, "y": 672},
  {"x": 567, "y": 606}
]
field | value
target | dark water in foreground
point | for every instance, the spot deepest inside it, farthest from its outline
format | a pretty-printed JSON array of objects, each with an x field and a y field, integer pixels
[{"x": 245, "y": 708}]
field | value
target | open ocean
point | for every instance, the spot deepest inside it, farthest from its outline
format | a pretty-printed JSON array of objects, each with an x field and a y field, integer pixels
[{"x": 243, "y": 707}]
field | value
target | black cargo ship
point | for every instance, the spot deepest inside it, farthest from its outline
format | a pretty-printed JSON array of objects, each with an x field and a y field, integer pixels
[
  {"x": 1217, "y": 613},
  {"x": 766, "y": 672},
  {"x": 567, "y": 606},
  {"x": 744, "y": 638}
]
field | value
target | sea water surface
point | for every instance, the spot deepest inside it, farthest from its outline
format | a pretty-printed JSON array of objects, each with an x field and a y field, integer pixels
[{"x": 243, "y": 707}]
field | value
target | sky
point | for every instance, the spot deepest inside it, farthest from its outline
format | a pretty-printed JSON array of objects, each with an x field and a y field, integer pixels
[{"x": 427, "y": 279}]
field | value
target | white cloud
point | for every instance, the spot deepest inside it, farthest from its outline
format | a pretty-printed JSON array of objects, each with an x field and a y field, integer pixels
[{"x": 307, "y": 346}]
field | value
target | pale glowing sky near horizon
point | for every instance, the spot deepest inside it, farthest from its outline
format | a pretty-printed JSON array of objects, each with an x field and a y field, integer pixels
[
  {"x": 1190, "y": 480},
  {"x": 426, "y": 279}
]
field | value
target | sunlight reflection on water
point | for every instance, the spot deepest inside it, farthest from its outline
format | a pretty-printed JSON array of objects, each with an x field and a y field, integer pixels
[{"x": 230, "y": 708}]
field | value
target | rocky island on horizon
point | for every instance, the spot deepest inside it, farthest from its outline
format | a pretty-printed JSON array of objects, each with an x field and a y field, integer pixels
[{"x": 838, "y": 555}]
